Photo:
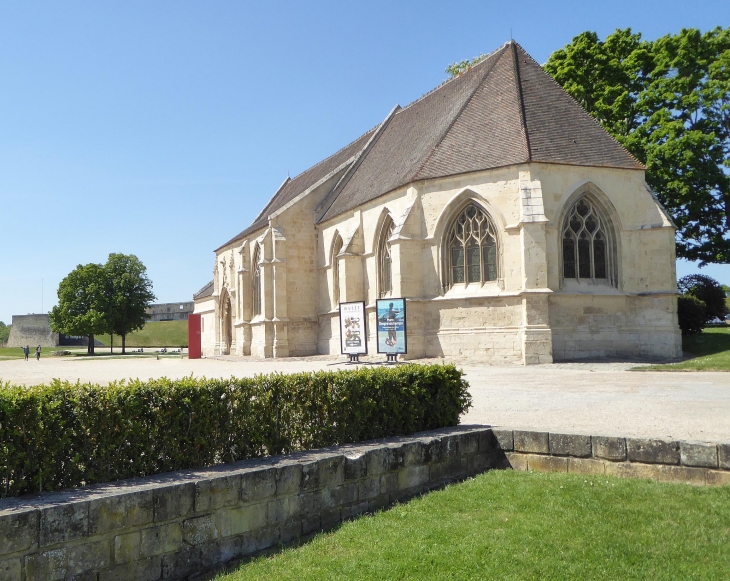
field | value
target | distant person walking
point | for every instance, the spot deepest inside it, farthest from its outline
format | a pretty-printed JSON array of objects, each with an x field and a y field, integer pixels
[
  {"x": 26, "y": 352},
  {"x": 38, "y": 353}
]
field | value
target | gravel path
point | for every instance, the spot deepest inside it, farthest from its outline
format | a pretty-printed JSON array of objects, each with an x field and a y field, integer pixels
[{"x": 595, "y": 398}]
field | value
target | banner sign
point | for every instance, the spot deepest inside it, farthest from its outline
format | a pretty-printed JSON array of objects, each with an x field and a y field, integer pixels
[
  {"x": 353, "y": 333},
  {"x": 391, "y": 317}
]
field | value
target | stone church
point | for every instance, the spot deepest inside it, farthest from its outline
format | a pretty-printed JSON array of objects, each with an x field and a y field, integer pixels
[{"x": 517, "y": 229}]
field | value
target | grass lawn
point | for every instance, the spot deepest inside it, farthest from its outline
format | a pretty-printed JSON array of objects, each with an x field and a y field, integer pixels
[
  {"x": 17, "y": 352},
  {"x": 524, "y": 526},
  {"x": 710, "y": 351},
  {"x": 154, "y": 334}
]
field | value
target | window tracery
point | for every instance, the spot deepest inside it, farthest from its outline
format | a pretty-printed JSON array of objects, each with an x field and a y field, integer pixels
[
  {"x": 587, "y": 252},
  {"x": 385, "y": 265},
  {"x": 471, "y": 248},
  {"x": 336, "y": 249}
]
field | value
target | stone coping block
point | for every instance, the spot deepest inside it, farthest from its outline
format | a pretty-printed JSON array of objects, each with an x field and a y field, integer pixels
[{"x": 177, "y": 525}]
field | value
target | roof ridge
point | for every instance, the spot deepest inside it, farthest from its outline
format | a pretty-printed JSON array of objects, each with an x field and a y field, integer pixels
[
  {"x": 521, "y": 97},
  {"x": 461, "y": 110},
  {"x": 447, "y": 81},
  {"x": 582, "y": 109},
  {"x": 271, "y": 200}
]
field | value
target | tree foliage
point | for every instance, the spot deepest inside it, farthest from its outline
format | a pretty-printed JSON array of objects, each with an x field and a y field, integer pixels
[
  {"x": 4, "y": 332},
  {"x": 456, "y": 69},
  {"x": 707, "y": 290},
  {"x": 82, "y": 305},
  {"x": 110, "y": 298},
  {"x": 691, "y": 314},
  {"x": 129, "y": 292},
  {"x": 668, "y": 102}
]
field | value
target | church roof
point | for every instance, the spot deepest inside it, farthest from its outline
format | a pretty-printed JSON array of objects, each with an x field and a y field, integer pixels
[
  {"x": 204, "y": 292},
  {"x": 505, "y": 110}
]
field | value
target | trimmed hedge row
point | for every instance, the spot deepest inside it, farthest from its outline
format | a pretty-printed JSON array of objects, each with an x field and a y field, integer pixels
[{"x": 63, "y": 435}]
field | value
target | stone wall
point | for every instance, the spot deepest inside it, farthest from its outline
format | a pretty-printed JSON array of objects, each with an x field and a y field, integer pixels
[
  {"x": 176, "y": 525},
  {"x": 32, "y": 330}
]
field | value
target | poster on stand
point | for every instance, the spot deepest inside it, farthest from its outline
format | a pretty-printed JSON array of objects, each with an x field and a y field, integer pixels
[
  {"x": 353, "y": 332},
  {"x": 391, "y": 317}
]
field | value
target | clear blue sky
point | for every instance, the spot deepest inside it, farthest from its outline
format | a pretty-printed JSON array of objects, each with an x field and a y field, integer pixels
[{"x": 161, "y": 128}]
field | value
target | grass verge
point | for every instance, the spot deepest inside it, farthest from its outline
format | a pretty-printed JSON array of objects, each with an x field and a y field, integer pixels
[
  {"x": 154, "y": 334},
  {"x": 524, "y": 526},
  {"x": 709, "y": 351}
]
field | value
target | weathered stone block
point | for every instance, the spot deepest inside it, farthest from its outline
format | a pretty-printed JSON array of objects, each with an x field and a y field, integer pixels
[
  {"x": 121, "y": 511},
  {"x": 379, "y": 503},
  {"x": 18, "y": 531},
  {"x": 309, "y": 503},
  {"x": 47, "y": 565},
  {"x": 650, "y": 451},
  {"x": 531, "y": 442},
  {"x": 161, "y": 539},
  {"x": 143, "y": 570},
  {"x": 329, "y": 517},
  {"x": 395, "y": 458},
  {"x": 717, "y": 478},
  {"x": 723, "y": 456},
  {"x": 282, "y": 509},
  {"x": 258, "y": 484},
  {"x": 11, "y": 569},
  {"x": 353, "y": 510},
  {"x": 629, "y": 470},
  {"x": 468, "y": 443},
  {"x": 388, "y": 483},
  {"x": 682, "y": 474},
  {"x": 127, "y": 547},
  {"x": 412, "y": 477},
  {"x": 217, "y": 492},
  {"x": 609, "y": 448},
  {"x": 338, "y": 495},
  {"x": 199, "y": 530},
  {"x": 588, "y": 466},
  {"x": 331, "y": 471},
  {"x": 570, "y": 445},
  {"x": 414, "y": 453},
  {"x": 310, "y": 524},
  {"x": 541, "y": 463},
  {"x": 368, "y": 488},
  {"x": 288, "y": 479},
  {"x": 481, "y": 462},
  {"x": 355, "y": 467},
  {"x": 291, "y": 530},
  {"x": 171, "y": 502},
  {"x": 698, "y": 454},
  {"x": 190, "y": 560},
  {"x": 450, "y": 447},
  {"x": 310, "y": 476},
  {"x": 516, "y": 460},
  {"x": 505, "y": 439},
  {"x": 452, "y": 469},
  {"x": 236, "y": 521},
  {"x": 89, "y": 557},
  {"x": 433, "y": 451},
  {"x": 64, "y": 522}
]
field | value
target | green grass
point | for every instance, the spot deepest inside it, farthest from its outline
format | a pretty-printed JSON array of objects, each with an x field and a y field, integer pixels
[
  {"x": 154, "y": 334},
  {"x": 709, "y": 351},
  {"x": 17, "y": 352},
  {"x": 524, "y": 526}
]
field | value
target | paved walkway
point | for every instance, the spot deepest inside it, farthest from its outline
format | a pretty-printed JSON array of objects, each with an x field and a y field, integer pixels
[{"x": 595, "y": 398}]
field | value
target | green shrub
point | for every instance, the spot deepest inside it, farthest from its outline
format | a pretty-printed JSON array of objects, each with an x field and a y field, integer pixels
[
  {"x": 706, "y": 289},
  {"x": 692, "y": 314},
  {"x": 64, "y": 435}
]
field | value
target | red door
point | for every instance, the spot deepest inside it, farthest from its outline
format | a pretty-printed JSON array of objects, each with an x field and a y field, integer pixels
[{"x": 194, "y": 350}]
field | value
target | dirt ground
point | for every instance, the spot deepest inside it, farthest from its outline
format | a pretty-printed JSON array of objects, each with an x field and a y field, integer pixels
[{"x": 595, "y": 398}]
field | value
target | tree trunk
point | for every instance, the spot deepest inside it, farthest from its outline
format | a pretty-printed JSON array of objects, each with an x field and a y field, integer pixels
[
  {"x": 91, "y": 344},
  {"x": 111, "y": 343},
  {"x": 124, "y": 343}
]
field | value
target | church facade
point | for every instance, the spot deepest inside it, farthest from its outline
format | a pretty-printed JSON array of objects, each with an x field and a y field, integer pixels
[{"x": 516, "y": 228}]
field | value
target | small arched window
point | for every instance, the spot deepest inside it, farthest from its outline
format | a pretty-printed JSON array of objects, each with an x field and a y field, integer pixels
[
  {"x": 256, "y": 283},
  {"x": 336, "y": 249},
  {"x": 471, "y": 248},
  {"x": 587, "y": 244},
  {"x": 385, "y": 264}
]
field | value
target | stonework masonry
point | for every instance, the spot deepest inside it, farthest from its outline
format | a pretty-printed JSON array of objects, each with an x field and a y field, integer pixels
[
  {"x": 32, "y": 330},
  {"x": 177, "y": 525}
]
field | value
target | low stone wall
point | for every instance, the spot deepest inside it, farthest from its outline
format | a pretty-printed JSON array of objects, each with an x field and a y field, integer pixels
[{"x": 180, "y": 524}]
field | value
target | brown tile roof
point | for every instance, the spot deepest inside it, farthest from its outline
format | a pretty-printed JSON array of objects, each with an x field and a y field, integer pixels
[
  {"x": 204, "y": 292},
  {"x": 506, "y": 110},
  {"x": 291, "y": 188}
]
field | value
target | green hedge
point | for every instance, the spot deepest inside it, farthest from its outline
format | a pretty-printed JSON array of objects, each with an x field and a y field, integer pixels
[{"x": 63, "y": 435}]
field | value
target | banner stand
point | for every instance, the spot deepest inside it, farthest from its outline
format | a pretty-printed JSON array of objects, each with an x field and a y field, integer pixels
[
  {"x": 391, "y": 358},
  {"x": 354, "y": 358}
]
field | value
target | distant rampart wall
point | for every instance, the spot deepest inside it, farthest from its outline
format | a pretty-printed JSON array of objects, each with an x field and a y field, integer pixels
[{"x": 32, "y": 330}]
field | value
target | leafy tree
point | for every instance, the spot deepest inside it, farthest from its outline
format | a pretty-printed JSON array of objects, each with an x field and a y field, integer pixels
[
  {"x": 456, "y": 69},
  {"x": 4, "y": 332},
  {"x": 82, "y": 304},
  {"x": 668, "y": 102},
  {"x": 706, "y": 289},
  {"x": 691, "y": 314},
  {"x": 129, "y": 293}
]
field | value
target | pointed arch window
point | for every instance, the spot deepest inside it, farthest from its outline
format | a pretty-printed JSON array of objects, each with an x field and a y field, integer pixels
[
  {"x": 588, "y": 250},
  {"x": 385, "y": 263},
  {"x": 471, "y": 248},
  {"x": 336, "y": 249},
  {"x": 256, "y": 283}
]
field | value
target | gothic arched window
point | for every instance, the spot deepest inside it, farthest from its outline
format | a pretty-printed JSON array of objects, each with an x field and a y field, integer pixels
[
  {"x": 385, "y": 265},
  {"x": 256, "y": 283},
  {"x": 587, "y": 244},
  {"x": 470, "y": 248},
  {"x": 336, "y": 249}
]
